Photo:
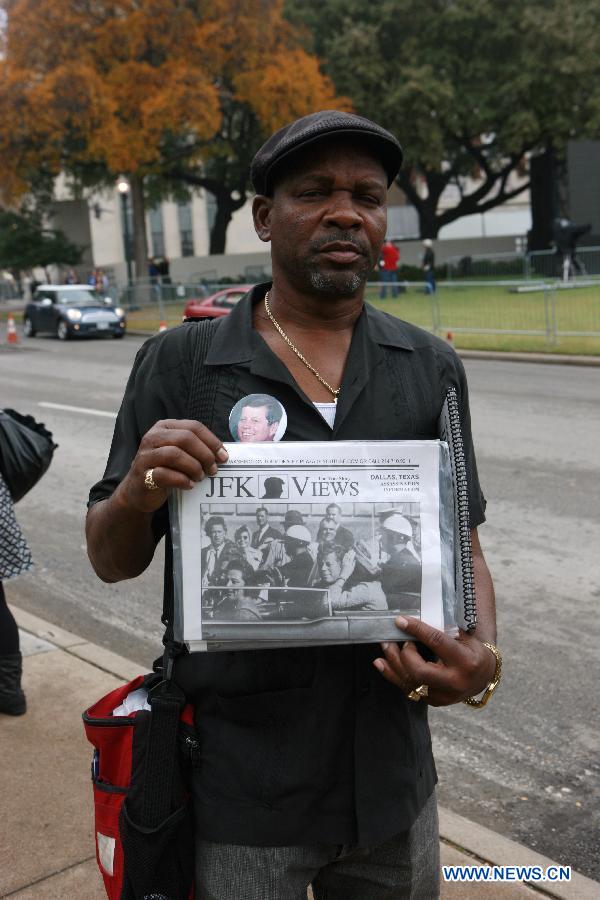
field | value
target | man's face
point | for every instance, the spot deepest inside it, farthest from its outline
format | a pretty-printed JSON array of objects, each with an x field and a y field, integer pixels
[
  {"x": 293, "y": 547},
  {"x": 333, "y": 513},
  {"x": 330, "y": 568},
  {"x": 328, "y": 531},
  {"x": 261, "y": 518},
  {"x": 327, "y": 219},
  {"x": 253, "y": 425},
  {"x": 235, "y": 581},
  {"x": 392, "y": 542},
  {"x": 217, "y": 535}
]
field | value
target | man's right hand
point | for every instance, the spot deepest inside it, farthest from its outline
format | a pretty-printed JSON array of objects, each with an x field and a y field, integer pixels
[{"x": 179, "y": 453}]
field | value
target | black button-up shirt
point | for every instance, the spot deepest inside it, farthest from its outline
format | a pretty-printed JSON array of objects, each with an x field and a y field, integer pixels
[{"x": 302, "y": 745}]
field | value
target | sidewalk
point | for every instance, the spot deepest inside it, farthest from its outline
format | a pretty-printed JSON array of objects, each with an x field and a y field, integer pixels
[{"x": 46, "y": 828}]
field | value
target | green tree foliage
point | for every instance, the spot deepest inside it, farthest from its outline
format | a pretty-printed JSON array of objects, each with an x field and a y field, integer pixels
[
  {"x": 25, "y": 244},
  {"x": 471, "y": 87}
]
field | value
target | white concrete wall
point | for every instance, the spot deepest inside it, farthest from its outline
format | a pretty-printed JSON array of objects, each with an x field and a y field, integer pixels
[
  {"x": 241, "y": 236},
  {"x": 107, "y": 231},
  {"x": 171, "y": 230},
  {"x": 505, "y": 220},
  {"x": 200, "y": 224}
]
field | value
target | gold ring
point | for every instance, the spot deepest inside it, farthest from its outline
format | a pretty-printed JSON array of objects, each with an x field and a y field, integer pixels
[
  {"x": 149, "y": 481},
  {"x": 419, "y": 693}
]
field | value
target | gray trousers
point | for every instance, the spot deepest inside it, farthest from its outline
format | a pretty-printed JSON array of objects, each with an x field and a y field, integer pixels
[{"x": 406, "y": 867}]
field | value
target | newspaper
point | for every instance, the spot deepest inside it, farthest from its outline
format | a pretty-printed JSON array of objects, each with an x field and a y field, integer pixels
[{"x": 310, "y": 543}]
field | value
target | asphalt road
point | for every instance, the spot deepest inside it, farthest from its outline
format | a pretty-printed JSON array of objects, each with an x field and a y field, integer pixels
[{"x": 528, "y": 765}]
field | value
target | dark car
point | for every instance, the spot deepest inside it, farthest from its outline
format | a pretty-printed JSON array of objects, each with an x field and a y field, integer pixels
[
  {"x": 72, "y": 310},
  {"x": 219, "y": 304}
]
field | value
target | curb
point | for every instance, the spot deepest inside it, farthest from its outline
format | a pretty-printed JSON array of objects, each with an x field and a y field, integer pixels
[
  {"x": 96, "y": 656},
  {"x": 478, "y": 844},
  {"x": 552, "y": 359},
  {"x": 488, "y": 847}
]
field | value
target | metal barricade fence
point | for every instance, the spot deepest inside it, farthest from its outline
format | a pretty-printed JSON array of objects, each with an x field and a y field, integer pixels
[
  {"x": 545, "y": 310},
  {"x": 491, "y": 265},
  {"x": 534, "y": 265},
  {"x": 149, "y": 304},
  {"x": 549, "y": 263},
  {"x": 548, "y": 310}
]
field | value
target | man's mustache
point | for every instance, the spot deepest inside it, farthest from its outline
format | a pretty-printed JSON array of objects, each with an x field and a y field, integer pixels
[{"x": 341, "y": 236}]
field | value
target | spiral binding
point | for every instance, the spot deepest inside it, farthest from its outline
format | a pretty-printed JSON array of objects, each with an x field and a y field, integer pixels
[{"x": 462, "y": 509}]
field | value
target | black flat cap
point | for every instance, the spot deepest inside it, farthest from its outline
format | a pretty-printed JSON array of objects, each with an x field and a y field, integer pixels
[{"x": 319, "y": 126}]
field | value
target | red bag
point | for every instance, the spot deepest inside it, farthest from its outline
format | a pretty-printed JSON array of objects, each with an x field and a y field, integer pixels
[{"x": 143, "y": 825}]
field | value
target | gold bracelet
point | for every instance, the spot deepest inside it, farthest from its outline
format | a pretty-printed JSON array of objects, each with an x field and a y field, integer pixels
[{"x": 481, "y": 702}]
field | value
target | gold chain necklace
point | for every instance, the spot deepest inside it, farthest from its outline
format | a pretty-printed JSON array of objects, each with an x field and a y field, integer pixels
[{"x": 293, "y": 347}]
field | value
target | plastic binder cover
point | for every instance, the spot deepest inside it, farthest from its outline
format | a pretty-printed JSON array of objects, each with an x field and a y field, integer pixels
[{"x": 296, "y": 544}]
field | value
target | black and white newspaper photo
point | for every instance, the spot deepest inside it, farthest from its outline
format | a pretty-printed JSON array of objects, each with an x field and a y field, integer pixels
[{"x": 311, "y": 543}]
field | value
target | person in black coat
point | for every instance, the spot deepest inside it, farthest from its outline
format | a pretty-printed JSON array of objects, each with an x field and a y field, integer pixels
[{"x": 264, "y": 533}]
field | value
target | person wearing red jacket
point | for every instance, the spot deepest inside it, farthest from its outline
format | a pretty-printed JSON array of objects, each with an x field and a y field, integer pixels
[{"x": 388, "y": 266}]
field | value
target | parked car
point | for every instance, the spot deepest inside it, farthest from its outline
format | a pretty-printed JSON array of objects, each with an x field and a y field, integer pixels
[
  {"x": 72, "y": 310},
  {"x": 219, "y": 304}
]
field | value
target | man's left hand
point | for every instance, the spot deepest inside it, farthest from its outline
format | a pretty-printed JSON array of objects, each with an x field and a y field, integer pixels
[{"x": 464, "y": 666}]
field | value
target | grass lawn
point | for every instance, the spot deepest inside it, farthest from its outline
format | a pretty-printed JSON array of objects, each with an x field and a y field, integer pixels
[{"x": 467, "y": 311}]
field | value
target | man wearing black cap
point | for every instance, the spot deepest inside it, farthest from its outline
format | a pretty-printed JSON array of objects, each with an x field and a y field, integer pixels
[{"x": 316, "y": 762}]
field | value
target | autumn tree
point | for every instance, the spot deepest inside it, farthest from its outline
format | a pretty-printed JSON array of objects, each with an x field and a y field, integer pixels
[
  {"x": 266, "y": 79},
  {"x": 93, "y": 89},
  {"x": 166, "y": 92},
  {"x": 471, "y": 87}
]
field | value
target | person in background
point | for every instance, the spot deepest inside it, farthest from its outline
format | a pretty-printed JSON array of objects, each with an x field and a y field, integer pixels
[
  {"x": 343, "y": 535},
  {"x": 401, "y": 573},
  {"x": 153, "y": 272},
  {"x": 264, "y": 533},
  {"x": 326, "y": 533},
  {"x": 297, "y": 571},
  {"x": 15, "y": 559},
  {"x": 275, "y": 554},
  {"x": 248, "y": 553},
  {"x": 218, "y": 553},
  {"x": 388, "y": 268},
  {"x": 236, "y": 602},
  {"x": 103, "y": 282},
  {"x": 428, "y": 266}
]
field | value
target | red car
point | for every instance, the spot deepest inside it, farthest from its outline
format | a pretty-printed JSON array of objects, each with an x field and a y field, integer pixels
[{"x": 219, "y": 304}]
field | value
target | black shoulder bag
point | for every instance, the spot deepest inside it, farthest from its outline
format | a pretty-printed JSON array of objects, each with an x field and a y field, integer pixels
[{"x": 26, "y": 450}]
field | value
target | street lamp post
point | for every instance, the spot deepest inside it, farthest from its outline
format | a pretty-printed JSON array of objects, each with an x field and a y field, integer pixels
[{"x": 123, "y": 189}]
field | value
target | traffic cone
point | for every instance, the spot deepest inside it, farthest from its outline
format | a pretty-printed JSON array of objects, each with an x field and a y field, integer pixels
[
  {"x": 162, "y": 326},
  {"x": 11, "y": 331}
]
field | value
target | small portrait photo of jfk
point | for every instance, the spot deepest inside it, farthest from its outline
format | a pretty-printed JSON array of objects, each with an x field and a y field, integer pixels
[{"x": 257, "y": 418}]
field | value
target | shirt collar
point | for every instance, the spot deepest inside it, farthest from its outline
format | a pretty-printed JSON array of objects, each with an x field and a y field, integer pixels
[
  {"x": 387, "y": 330},
  {"x": 234, "y": 340}
]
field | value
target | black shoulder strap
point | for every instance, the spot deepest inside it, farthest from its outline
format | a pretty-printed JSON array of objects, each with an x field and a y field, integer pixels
[
  {"x": 154, "y": 814},
  {"x": 200, "y": 406},
  {"x": 203, "y": 383}
]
